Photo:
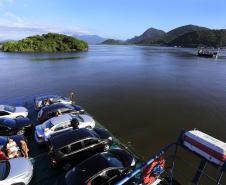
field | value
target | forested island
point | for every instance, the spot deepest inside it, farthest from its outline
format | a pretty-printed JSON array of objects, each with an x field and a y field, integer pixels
[
  {"x": 113, "y": 42},
  {"x": 51, "y": 42}
]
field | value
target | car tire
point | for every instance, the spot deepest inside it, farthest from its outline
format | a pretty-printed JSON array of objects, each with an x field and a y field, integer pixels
[
  {"x": 89, "y": 127},
  {"x": 20, "y": 117},
  {"x": 20, "y": 132},
  {"x": 20, "y": 183},
  {"x": 106, "y": 147}
]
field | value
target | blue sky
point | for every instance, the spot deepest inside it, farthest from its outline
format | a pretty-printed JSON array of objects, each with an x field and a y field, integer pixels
[{"x": 108, "y": 18}]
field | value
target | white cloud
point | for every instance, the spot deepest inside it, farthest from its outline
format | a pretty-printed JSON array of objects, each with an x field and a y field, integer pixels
[
  {"x": 13, "y": 27},
  {"x": 3, "y": 2}
]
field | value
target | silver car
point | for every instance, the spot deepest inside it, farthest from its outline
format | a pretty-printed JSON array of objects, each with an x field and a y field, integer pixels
[
  {"x": 16, "y": 171},
  {"x": 39, "y": 102},
  {"x": 62, "y": 123},
  {"x": 8, "y": 111}
]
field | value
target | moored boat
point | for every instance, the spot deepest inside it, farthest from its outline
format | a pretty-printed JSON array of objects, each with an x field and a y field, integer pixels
[{"x": 208, "y": 53}]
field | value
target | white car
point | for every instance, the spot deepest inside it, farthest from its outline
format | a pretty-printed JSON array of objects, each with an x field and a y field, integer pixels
[
  {"x": 16, "y": 171},
  {"x": 62, "y": 123},
  {"x": 7, "y": 111},
  {"x": 40, "y": 101}
]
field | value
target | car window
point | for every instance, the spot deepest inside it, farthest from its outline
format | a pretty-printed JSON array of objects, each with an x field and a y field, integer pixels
[
  {"x": 48, "y": 124},
  {"x": 3, "y": 128},
  {"x": 76, "y": 146},
  {"x": 65, "y": 110},
  {"x": 3, "y": 113},
  {"x": 90, "y": 142},
  {"x": 9, "y": 108},
  {"x": 65, "y": 150},
  {"x": 62, "y": 126},
  {"x": 51, "y": 114},
  {"x": 99, "y": 180},
  {"x": 40, "y": 113},
  {"x": 111, "y": 174},
  {"x": 105, "y": 178}
]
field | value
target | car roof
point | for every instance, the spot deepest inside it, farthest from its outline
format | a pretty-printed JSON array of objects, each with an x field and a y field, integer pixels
[
  {"x": 60, "y": 119},
  {"x": 56, "y": 106},
  {"x": 96, "y": 164},
  {"x": 46, "y": 97},
  {"x": 8, "y": 122},
  {"x": 71, "y": 136}
]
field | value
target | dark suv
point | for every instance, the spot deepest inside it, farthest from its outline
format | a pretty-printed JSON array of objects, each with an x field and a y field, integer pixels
[
  {"x": 50, "y": 111},
  {"x": 106, "y": 168},
  {"x": 78, "y": 144}
]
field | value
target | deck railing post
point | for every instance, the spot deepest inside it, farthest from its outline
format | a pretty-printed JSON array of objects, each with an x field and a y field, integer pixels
[
  {"x": 219, "y": 178},
  {"x": 173, "y": 165},
  {"x": 199, "y": 172}
]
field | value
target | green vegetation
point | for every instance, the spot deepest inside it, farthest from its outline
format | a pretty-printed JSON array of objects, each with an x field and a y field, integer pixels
[
  {"x": 113, "y": 42},
  {"x": 185, "y": 36},
  {"x": 150, "y": 34},
  {"x": 51, "y": 42},
  {"x": 213, "y": 38}
]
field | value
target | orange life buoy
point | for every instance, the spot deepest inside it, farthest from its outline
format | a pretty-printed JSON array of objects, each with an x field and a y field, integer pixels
[{"x": 148, "y": 176}]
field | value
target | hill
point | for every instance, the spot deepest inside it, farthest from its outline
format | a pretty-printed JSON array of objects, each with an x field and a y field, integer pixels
[
  {"x": 186, "y": 36},
  {"x": 148, "y": 34},
  {"x": 211, "y": 38},
  {"x": 114, "y": 42},
  {"x": 177, "y": 32},
  {"x": 51, "y": 42},
  {"x": 90, "y": 39}
]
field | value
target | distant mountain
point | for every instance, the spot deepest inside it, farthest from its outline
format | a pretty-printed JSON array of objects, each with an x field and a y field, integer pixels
[
  {"x": 90, "y": 39},
  {"x": 185, "y": 36},
  {"x": 114, "y": 42},
  {"x": 149, "y": 33},
  {"x": 212, "y": 38},
  {"x": 183, "y": 30}
]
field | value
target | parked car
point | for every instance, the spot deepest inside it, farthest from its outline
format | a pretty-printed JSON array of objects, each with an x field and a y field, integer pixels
[
  {"x": 50, "y": 111},
  {"x": 17, "y": 171},
  {"x": 78, "y": 144},
  {"x": 9, "y": 126},
  {"x": 105, "y": 168},
  {"x": 16, "y": 138},
  {"x": 42, "y": 100},
  {"x": 7, "y": 111},
  {"x": 62, "y": 123}
]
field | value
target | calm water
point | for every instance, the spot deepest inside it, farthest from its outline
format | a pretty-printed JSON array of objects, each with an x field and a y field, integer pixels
[{"x": 144, "y": 95}]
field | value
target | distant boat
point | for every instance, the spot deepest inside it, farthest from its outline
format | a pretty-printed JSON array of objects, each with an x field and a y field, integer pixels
[{"x": 208, "y": 52}]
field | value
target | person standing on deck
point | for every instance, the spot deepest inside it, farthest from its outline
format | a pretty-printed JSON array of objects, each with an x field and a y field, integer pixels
[
  {"x": 24, "y": 149},
  {"x": 3, "y": 155}
]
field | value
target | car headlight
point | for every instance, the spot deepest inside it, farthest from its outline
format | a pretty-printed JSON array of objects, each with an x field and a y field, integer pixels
[
  {"x": 133, "y": 163},
  {"x": 110, "y": 138},
  {"x": 25, "y": 175}
]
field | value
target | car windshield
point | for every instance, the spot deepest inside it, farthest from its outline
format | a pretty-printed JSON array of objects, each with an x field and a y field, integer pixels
[
  {"x": 4, "y": 169},
  {"x": 9, "y": 108},
  {"x": 48, "y": 124},
  {"x": 76, "y": 176}
]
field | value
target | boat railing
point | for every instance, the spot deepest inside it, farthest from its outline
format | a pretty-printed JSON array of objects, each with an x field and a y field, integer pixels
[
  {"x": 171, "y": 156},
  {"x": 135, "y": 175}
]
